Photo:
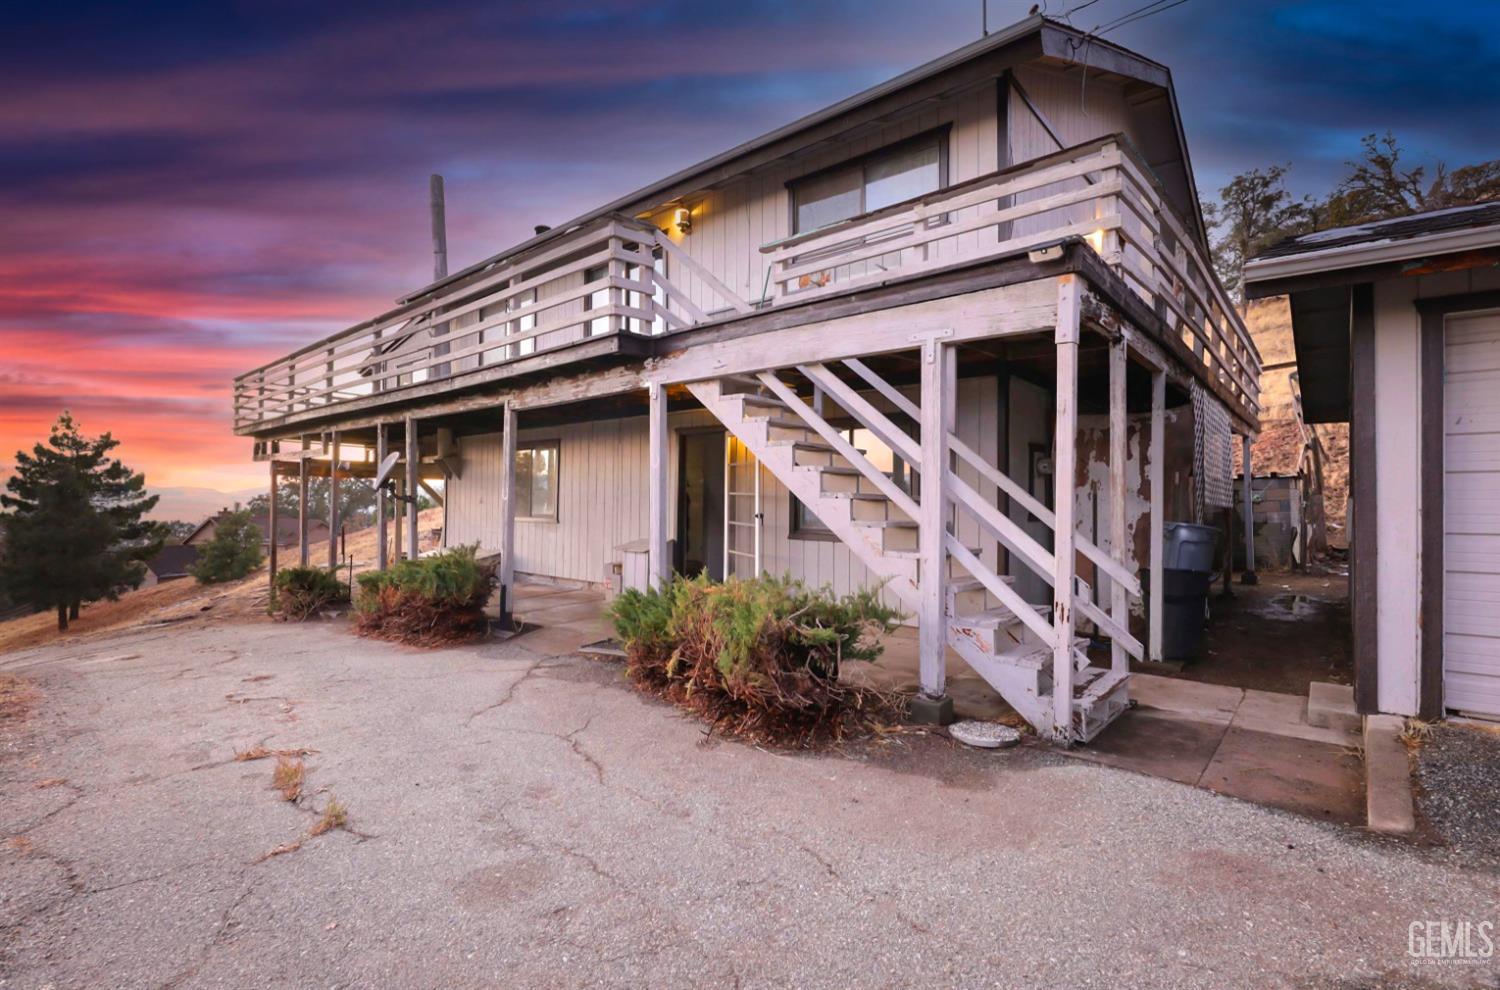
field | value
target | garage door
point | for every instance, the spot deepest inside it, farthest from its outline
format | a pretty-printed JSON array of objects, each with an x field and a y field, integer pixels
[{"x": 1471, "y": 515}]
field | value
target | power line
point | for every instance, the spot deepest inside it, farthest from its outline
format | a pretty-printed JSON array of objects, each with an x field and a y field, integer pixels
[{"x": 1140, "y": 13}]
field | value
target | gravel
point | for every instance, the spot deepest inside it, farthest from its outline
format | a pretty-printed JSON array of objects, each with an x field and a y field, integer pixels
[{"x": 1458, "y": 796}]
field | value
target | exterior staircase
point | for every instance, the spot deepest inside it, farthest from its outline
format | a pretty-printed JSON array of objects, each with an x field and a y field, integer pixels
[{"x": 1006, "y": 641}]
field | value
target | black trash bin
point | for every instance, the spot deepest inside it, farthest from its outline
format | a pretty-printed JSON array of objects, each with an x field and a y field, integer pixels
[
  {"x": 1187, "y": 574},
  {"x": 1184, "y": 608}
]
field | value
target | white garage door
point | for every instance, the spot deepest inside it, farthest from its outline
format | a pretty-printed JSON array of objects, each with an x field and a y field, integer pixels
[{"x": 1471, "y": 515}]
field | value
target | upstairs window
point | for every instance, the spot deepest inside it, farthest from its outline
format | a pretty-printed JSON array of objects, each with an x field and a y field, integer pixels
[{"x": 892, "y": 174}]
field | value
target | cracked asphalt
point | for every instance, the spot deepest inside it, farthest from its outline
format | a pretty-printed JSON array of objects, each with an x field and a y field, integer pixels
[{"x": 525, "y": 820}]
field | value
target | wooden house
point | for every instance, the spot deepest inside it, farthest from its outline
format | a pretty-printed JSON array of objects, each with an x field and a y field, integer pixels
[
  {"x": 858, "y": 349},
  {"x": 1397, "y": 329}
]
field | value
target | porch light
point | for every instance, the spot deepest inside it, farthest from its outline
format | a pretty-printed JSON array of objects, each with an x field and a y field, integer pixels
[
  {"x": 683, "y": 220},
  {"x": 1096, "y": 241}
]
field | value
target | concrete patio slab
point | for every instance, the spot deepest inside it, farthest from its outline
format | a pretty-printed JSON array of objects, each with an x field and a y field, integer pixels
[{"x": 1317, "y": 779}]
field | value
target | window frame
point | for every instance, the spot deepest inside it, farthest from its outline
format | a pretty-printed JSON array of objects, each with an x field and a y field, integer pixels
[
  {"x": 555, "y": 445},
  {"x": 939, "y": 135}
]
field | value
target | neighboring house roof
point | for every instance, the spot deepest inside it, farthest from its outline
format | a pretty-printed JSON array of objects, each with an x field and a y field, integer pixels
[
  {"x": 1459, "y": 228},
  {"x": 286, "y": 527},
  {"x": 173, "y": 561}
]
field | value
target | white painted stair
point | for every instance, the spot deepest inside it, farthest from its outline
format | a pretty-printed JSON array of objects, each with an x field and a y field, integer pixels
[{"x": 991, "y": 638}]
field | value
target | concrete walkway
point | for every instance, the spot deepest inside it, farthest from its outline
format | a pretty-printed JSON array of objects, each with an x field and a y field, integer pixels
[{"x": 522, "y": 818}]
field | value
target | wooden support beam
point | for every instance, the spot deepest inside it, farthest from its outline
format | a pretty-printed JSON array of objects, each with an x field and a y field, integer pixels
[
  {"x": 333, "y": 505},
  {"x": 1158, "y": 474},
  {"x": 272, "y": 520},
  {"x": 413, "y": 478},
  {"x": 432, "y": 492},
  {"x": 507, "y": 572},
  {"x": 1064, "y": 474},
  {"x": 1119, "y": 607},
  {"x": 302, "y": 513},
  {"x": 382, "y": 522},
  {"x": 932, "y": 620},
  {"x": 657, "y": 479},
  {"x": 1247, "y": 500},
  {"x": 400, "y": 514}
]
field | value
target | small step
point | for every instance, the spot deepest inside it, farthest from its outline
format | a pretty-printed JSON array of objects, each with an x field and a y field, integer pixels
[
  {"x": 895, "y": 534},
  {"x": 1105, "y": 697},
  {"x": 759, "y": 405},
  {"x": 780, "y": 429}
]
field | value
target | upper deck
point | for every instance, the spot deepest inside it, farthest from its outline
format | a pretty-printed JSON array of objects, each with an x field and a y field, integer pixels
[{"x": 614, "y": 290}]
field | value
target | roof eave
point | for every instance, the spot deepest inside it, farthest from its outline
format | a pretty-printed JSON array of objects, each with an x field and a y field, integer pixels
[{"x": 1372, "y": 253}]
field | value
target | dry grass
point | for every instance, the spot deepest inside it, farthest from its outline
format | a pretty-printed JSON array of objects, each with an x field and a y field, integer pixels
[
  {"x": 288, "y": 777},
  {"x": 262, "y": 753},
  {"x": 281, "y": 850},
  {"x": 187, "y": 601},
  {"x": 16, "y": 698},
  {"x": 335, "y": 815},
  {"x": 1417, "y": 733}
]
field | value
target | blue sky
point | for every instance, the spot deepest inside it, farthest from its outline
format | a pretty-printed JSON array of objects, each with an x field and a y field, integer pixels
[{"x": 190, "y": 189}]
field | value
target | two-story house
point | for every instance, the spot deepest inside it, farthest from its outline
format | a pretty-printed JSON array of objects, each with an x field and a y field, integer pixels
[{"x": 957, "y": 334}]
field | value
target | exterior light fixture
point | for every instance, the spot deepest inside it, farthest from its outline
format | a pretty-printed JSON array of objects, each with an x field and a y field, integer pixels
[{"x": 683, "y": 220}]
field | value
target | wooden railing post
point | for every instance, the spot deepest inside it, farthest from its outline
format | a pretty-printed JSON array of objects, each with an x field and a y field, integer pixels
[
  {"x": 932, "y": 623},
  {"x": 413, "y": 486},
  {"x": 333, "y": 505},
  {"x": 272, "y": 519},
  {"x": 1064, "y": 471},
  {"x": 302, "y": 513}
]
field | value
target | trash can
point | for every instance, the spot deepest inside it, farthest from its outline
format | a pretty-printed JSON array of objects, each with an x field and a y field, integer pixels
[{"x": 1187, "y": 573}]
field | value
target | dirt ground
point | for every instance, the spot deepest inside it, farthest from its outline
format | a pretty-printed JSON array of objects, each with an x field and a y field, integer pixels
[
  {"x": 1279, "y": 635},
  {"x": 518, "y": 817}
]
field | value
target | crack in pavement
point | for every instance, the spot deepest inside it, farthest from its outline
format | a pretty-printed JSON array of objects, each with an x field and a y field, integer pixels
[{"x": 510, "y": 691}]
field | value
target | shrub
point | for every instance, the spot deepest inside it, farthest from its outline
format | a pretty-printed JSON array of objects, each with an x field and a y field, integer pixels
[
  {"x": 437, "y": 599},
  {"x": 233, "y": 552},
  {"x": 305, "y": 591},
  {"x": 759, "y": 658}
]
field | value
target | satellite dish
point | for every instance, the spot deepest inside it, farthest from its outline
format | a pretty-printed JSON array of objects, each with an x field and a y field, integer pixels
[{"x": 387, "y": 466}]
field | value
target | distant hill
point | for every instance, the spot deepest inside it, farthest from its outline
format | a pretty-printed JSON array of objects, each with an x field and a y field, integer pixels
[{"x": 196, "y": 504}]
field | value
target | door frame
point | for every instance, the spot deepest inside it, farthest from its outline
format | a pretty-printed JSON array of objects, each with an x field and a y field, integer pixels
[{"x": 680, "y": 530}]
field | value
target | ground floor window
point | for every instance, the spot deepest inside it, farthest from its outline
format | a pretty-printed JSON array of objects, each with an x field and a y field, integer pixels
[{"x": 536, "y": 479}]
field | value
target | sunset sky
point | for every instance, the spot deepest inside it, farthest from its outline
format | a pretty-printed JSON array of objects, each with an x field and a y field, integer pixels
[{"x": 187, "y": 191}]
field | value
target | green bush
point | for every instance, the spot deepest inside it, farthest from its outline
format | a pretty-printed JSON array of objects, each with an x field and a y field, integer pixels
[
  {"x": 760, "y": 658},
  {"x": 304, "y": 591},
  {"x": 233, "y": 552},
  {"x": 430, "y": 600}
]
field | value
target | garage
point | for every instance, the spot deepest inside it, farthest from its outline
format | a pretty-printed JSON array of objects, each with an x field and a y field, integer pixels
[{"x": 1471, "y": 513}]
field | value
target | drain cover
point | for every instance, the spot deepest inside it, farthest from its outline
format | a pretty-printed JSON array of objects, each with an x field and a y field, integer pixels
[{"x": 985, "y": 735}]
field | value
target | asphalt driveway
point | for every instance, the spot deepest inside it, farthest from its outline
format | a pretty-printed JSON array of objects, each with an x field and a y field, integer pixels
[{"x": 524, "y": 820}]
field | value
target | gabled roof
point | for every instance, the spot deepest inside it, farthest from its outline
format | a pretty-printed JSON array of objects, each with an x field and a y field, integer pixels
[{"x": 1037, "y": 35}]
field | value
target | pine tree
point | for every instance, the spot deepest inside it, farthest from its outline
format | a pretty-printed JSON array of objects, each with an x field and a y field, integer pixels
[
  {"x": 74, "y": 529},
  {"x": 233, "y": 552}
]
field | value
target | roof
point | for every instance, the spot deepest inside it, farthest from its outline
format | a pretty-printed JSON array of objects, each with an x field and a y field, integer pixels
[
  {"x": 286, "y": 526},
  {"x": 1096, "y": 53},
  {"x": 1434, "y": 232},
  {"x": 173, "y": 561}
]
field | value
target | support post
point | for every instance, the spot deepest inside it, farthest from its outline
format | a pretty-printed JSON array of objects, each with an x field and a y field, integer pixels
[
  {"x": 382, "y": 524},
  {"x": 507, "y": 515},
  {"x": 1064, "y": 473},
  {"x": 932, "y": 622},
  {"x": 658, "y": 478},
  {"x": 399, "y": 513},
  {"x": 1158, "y": 505},
  {"x": 302, "y": 513},
  {"x": 1119, "y": 607},
  {"x": 333, "y": 505},
  {"x": 1247, "y": 500},
  {"x": 413, "y": 476},
  {"x": 271, "y": 520}
]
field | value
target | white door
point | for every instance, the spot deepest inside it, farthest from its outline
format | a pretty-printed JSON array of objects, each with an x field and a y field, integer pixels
[{"x": 1471, "y": 515}]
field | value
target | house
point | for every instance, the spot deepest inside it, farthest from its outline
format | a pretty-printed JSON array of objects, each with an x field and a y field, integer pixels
[
  {"x": 287, "y": 530},
  {"x": 860, "y": 349},
  {"x": 1397, "y": 328},
  {"x": 170, "y": 564}
]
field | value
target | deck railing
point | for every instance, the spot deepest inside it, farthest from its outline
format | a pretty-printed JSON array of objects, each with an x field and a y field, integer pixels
[
  {"x": 600, "y": 280},
  {"x": 1100, "y": 191},
  {"x": 605, "y": 278}
]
